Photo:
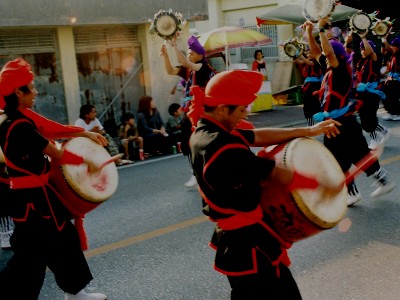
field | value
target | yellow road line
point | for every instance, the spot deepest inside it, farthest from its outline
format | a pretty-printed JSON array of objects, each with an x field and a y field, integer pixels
[{"x": 145, "y": 236}]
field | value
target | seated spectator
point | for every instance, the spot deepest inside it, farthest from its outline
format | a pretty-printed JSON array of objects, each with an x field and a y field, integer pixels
[
  {"x": 174, "y": 122},
  {"x": 129, "y": 136},
  {"x": 151, "y": 127},
  {"x": 87, "y": 120}
]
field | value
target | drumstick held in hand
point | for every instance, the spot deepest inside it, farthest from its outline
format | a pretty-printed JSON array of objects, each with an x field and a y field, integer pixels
[{"x": 112, "y": 159}]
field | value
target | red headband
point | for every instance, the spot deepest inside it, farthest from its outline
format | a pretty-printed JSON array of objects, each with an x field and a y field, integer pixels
[
  {"x": 15, "y": 73},
  {"x": 236, "y": 87}
]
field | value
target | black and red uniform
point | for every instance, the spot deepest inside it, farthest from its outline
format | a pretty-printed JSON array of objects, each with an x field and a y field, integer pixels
[
  {"x": 313, "y": 75},
  {"x": 229, "y": 176},
  {"x": 350, "y": 146},
  {"x": 368, "y": 75},
  {"x": 44, "y": 235},
  {"x": 391, "y": 87}
]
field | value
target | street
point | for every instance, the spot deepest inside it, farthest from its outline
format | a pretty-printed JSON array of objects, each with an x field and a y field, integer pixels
[{"x": 150, "y": 241}]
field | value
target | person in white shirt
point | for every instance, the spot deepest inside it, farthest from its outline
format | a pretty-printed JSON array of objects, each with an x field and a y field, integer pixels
[{"x": 88, "y": 120}]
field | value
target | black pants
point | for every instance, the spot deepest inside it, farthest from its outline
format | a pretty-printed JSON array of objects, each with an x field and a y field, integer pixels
[
  {"x": 265, "y": 285},
  {"x": 367, "y": 112},
  {"x": 350, "y": 146},
  {"x": 392, "y": 100},
  {"x": 38, "y": 244}
]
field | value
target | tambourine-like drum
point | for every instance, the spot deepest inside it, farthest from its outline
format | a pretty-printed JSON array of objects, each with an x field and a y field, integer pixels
[
  {"x": 167, "y": 23},
  {"x": 293, "y": 49},
  {"x": 381, "y": 28},
  {"x": 360, "y": 22},
  {"x": 301, "y": 213},
  {"x": 314, "y": 10},
  {"x": 82, "y": 191}
]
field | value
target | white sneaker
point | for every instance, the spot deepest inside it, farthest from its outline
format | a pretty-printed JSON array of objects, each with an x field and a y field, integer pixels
[
  {"x": 82, "y": 295},
  {"x": 380, "y": 139},
  {"x": 5, "y": 243},
  {"x": 383, "y": 189},
  {"x": 395, "y": 118},
  {"x": 191, "y": 182},
  {"x": 353, "y": 199},
  {"x": 353, "y": 195}
]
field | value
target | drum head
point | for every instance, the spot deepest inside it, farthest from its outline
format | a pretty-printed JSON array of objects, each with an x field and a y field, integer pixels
[
  {"x": 292, "y": 50},
  {"x": 312, "y": 159},
  {"x": 314, "y": 10},
  {"x": 381, "y": 28},
  {"x": 91, "y": 187},
  {"x": 166, "y": 25},
  {"x": 360, "y": 22}
]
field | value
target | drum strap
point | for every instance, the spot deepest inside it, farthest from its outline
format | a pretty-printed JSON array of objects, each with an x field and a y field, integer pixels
[{"x": 30, "y": 181}]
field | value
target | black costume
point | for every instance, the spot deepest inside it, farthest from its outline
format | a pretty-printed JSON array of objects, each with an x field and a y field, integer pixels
[
  {"x": 229, "y": 175},
  {"x": 44, "y": 235}
]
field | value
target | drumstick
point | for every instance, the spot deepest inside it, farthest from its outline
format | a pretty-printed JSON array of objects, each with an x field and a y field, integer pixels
[
  {"x": 362, "y": 165},
  {"x": 112, "y": 159}
]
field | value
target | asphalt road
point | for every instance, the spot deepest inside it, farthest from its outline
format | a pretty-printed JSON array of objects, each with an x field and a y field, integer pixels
[{"x": 150, "y": 241}]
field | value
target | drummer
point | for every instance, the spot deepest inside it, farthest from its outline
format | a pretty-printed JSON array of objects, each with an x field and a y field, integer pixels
[
  {"x": 44, "y": 235},
  {"x": 350, "y": 146},
  {"x": 248, "y": 251}
]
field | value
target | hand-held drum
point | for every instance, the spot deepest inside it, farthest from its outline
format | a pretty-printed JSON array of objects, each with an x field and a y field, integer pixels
[
  {"x": 301, "y": 213},
  {"x": 314, "y": 10},
  {"x": 82, "y": 191}
]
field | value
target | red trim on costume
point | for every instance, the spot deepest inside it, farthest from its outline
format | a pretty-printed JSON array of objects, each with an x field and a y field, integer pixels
[
  {"x": 49, "y": 128},
  {"x": 70, "y": 158},
  {"x": 254, "y": 270},
  {"x": 5, "y": 180},
  {"x": 241, "y": 220},
  {"x": 30, "y": 181}
]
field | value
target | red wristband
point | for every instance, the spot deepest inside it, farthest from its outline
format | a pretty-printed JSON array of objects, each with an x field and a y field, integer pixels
[
  {"x": 301, "y": 182},
  {"x": 70, "y": 158}
]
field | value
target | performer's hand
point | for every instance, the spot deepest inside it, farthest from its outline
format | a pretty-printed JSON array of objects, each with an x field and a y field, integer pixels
[
  {"x": 97, "y": 137},
  {"x": 327, "y": 127}
]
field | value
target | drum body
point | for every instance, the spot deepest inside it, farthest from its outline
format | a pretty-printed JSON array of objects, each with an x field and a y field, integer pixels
[
  {"x": 81, "y": 191},
  {"x": 301, "y": 213}
]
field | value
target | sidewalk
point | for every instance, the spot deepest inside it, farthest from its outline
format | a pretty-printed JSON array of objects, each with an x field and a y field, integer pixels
[{"x": 279, "y": 116}]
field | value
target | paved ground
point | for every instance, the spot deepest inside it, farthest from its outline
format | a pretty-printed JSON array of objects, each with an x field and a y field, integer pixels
[{"x": 279, "y": 116}]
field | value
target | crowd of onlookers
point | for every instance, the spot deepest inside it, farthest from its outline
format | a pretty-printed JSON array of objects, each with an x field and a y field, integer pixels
[{"x": 140, "y": 136}]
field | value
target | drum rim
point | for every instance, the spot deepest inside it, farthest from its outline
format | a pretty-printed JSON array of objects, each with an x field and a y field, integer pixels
[{"x": 172, "y": 16}]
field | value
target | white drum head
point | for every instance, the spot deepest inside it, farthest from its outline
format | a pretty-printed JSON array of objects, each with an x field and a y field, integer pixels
[
  {"x": 360, "y": 22},
  {"x": 314, "y": 10},
  {"x": 92, "y": 187},
  {"x": 311, "y": 158},
  {"x": 166, "y": 25}
]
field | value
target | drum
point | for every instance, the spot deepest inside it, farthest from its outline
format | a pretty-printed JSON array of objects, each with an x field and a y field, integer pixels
[
  {"x": 82, "y": 192},
  {"x": 293, "y": 48},
  {"x": 314, "y": 10},
  {"x": 166, "y": 24},
  {"x": 299, "y": 214},
  {"x": 382, "y": 27},
  {"x": 360, "y": 22}
]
